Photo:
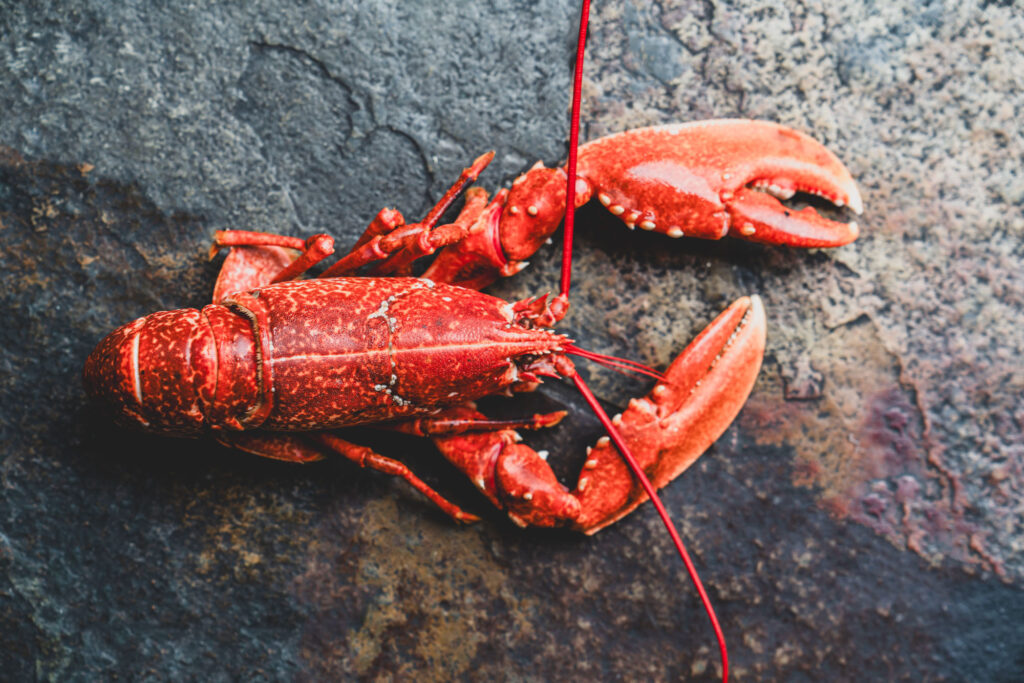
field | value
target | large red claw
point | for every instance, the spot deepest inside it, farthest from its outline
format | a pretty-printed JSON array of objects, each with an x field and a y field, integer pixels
[
  {"x": 705, "y": 179},
  {"x": 712, "y": 178},
  {"x": 702, "y": 392}
]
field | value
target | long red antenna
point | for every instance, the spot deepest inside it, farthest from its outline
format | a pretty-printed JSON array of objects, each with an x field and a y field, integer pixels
[
  {"x": 574, "y": 143},
  {"x": 588, "y": 396}
]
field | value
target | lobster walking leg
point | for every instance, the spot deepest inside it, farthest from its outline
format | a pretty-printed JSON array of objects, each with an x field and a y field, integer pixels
[
  {"x": 405, "y": 243},
  {"x": 310, "y": 447},
  {"x": 366, "y": 457},
  {"x": 260, "y": 258},
  {"x": 384, "y": 222}
]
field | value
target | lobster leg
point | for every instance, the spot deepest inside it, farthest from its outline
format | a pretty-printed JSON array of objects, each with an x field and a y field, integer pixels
[
  {"x": 366, "y": 457},
  {"x": 310, "y": 447},
  {"x": 475, "y": 260},
  {"x": 260, "y": 258},
  {"x": 406, "y": 243},
  {"x": 384, "y": 222}
]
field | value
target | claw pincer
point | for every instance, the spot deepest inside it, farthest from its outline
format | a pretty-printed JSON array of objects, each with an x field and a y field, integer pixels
[
  {"x": 712, "y": 178},
  {"x": 667, "y": 430}
]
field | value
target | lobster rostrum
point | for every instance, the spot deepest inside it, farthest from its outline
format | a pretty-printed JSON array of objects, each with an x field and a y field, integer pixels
[{"x": 276, "y": 364}]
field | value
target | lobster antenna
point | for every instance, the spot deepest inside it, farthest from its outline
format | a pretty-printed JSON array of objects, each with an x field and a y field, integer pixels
[
  {"x": 588, "y": 396},
  {"x": 574, "y": 141}
]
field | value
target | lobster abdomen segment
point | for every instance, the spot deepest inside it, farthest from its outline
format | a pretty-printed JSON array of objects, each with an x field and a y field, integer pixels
[{"x": 157, "y": 372}]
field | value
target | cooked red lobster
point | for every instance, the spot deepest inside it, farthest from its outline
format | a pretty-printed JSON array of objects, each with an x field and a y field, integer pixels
[{"x": 276, "y": 365}]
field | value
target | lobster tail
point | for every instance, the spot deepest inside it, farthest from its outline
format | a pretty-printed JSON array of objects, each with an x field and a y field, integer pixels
[{"x": 156, "y": 373}]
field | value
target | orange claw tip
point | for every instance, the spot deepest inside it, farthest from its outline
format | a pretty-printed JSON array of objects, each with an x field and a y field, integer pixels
[
  {"x": 778, "y": 163},
  {"x": 777, "y": 158},
  {"x": 760, "y": 217}
]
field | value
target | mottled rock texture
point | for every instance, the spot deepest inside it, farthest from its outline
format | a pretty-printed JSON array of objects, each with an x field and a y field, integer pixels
[{"x": 860, "y": 521}]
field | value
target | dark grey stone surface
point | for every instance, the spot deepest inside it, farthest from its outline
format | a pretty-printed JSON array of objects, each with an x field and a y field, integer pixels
[{"x": 859, "y": 521}]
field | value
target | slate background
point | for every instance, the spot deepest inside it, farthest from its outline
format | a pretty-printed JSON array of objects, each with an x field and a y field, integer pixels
[{"x": 859, "y": 521}]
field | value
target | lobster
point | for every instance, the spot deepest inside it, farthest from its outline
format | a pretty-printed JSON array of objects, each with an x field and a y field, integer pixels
[{"x": 276, "y": 364}]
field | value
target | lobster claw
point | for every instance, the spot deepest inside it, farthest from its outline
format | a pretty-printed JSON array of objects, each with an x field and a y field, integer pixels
[
  {"x": 712, "y": 178},
  {"x": 701, "y": 393},
  {"x": 704, "y": 179},
  {"x": 703, "y": 390}
]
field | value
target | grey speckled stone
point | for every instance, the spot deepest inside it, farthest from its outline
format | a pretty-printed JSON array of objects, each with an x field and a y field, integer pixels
[{"x": 860, "y": 521}]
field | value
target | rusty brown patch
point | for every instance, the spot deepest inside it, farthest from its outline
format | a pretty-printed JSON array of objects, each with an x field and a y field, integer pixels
[{"x": 877, "y": 469}]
